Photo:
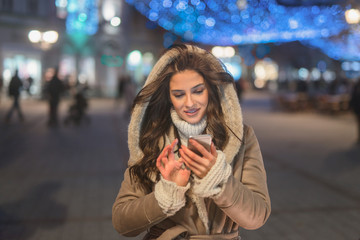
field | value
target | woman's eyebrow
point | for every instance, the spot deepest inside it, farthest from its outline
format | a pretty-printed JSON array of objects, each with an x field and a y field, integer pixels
[
  {"x": 180, "y": 90},
  {"x": 199, "y": 85},
  {"x": 177, "y": 91}
]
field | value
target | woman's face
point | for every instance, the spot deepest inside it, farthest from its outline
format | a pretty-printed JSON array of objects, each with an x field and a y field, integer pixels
[{"x": 189, "y": 95}]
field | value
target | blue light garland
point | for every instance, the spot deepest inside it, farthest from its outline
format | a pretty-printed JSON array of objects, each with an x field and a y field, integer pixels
[
  {"x": 82, "y": 17},
  {"x": 241, "y": 22},
  {"x": 236, "y": 22},
  {"x": 344, "y": 47}
]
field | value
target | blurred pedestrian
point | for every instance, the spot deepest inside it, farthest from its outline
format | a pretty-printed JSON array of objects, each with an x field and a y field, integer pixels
[
  {"x": 130, "y": 93},
  {"x": 54, "y": 90},
  {"x": 29, "y": 82},
  {"x": 355, "y": 106},
  {"x": 14, "y": 90},
  {"x": 168, "y": 190},
  {"x": 77, "y": 109},
  {"x": 1, "y": 86},
  {"x": 122, "y": 81},
  {"x": 121, "y": 86}
]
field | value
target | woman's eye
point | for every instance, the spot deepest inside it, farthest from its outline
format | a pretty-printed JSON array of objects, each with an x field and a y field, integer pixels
[
  {"x": 199, "y": 91},
  {"x": 178, "y": 95}
]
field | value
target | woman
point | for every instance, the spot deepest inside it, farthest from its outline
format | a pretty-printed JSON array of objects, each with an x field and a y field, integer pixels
[{"x": 168, "y": 190}]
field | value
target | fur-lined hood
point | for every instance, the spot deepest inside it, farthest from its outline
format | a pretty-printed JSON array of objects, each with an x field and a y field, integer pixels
[{"x": 229, "y": 102}]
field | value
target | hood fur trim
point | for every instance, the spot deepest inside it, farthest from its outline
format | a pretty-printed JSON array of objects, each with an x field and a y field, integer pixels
[{"x": 229, "y": 103}]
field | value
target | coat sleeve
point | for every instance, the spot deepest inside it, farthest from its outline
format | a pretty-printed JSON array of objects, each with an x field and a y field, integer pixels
[
  {"x": 134, "y": 211},
  {"x": 247, "y": 201}
]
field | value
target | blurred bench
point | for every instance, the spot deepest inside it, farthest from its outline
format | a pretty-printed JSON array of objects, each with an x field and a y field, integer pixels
[
  {"x": 325, "y": 103},
  {"x": 293, "y": 101},
  {"x": 332, "y": 103}
]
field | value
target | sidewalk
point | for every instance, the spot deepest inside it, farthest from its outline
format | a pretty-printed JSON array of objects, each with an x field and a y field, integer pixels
[
  {"x": 61, "y": 183},
  {"x": 313, "y": 169}
]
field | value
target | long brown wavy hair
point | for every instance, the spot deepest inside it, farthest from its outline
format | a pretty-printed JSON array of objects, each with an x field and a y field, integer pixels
[{"x": 157, "y": 122}]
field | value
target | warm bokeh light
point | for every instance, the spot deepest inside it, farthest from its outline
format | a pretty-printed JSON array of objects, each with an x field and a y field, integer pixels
[
  {"x": 50, "y": 36},
  {"x": 108, "y": 10},
  {"x": 259, "y": 83},
  {"x": 229, "y": 52},
  {"x": 44, "y": 39},
  {"x": 34, "y": 36},
  {"x": 223, "y": 52},
  {"x": 352, "y": 16},
  {"x": 266, "y": 70},
  {"x": 217, "y": 51}
]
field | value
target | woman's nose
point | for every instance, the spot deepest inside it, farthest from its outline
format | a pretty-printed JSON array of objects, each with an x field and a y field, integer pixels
[{"x": 189, "y": 101}]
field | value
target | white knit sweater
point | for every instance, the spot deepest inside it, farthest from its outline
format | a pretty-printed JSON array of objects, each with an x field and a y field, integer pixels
[{"x": 171, "y": 198}]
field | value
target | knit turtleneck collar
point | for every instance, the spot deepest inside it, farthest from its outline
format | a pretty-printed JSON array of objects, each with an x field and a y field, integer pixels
[{"x": 187, "y": 129}]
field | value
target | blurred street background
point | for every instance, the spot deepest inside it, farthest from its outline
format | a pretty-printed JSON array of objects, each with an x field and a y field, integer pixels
[
  {"x": 69, "y": 71},
  {"x": 61, "y": 183}
]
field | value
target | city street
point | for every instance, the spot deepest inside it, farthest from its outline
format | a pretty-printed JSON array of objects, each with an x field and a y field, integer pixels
[{"x": 60, "y": 183}]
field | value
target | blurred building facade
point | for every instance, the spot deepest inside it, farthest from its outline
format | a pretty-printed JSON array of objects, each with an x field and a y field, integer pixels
[
  {"x": 99, "y": 40},
  {"x": 96, "y": 59},
  {"x": 17, "y": 18}
]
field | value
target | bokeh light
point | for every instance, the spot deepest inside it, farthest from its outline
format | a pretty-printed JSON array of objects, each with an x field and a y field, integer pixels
[
  {"x": 50, "y": 36},
  {"x": 115, "y": 21},
  {"x": 243, "y": 22},
  {"x": 34, "y": 36},
  {"x": 134, "y": 58}
]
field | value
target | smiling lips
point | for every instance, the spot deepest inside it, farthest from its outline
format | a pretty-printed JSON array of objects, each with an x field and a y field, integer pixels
[{"x": 192, "y": 112}]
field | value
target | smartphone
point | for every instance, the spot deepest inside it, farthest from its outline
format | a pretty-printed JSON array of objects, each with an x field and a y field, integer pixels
[{"x": 203, "y": 139}]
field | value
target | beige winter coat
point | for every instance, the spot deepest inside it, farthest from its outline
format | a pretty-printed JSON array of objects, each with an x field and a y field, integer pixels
[{"x": 243, "y": 202}]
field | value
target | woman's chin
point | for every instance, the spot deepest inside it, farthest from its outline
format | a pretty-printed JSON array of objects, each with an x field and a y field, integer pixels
[{"x": 193, "y": 119}]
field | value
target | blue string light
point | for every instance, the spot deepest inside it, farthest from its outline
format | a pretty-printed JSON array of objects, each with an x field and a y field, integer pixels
[
  {"x": 343, "y": 48},
  {"x": 241, "y": 22},
  {"x": 223, "y": 23},
  {"x": 82, "y": 17}
]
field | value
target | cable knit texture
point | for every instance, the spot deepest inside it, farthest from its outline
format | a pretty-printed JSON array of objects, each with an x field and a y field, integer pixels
[
  {"x": 171, "y": 197},
  {"x": 212, "y": 184},
  {"x": 186, "y": 129}
]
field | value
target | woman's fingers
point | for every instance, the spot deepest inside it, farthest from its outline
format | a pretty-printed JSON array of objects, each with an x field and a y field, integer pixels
[
  {"x": 165, "y": 157},
  {"x": 190, "y": 163},
  {"x": 168, "y": 149},
  {"x": 171, "y": 169},
  {"x": 199, "y": 165},
  {"x": 173, "y": 144},
  {"x": 199, "y": 147},
  {"x": 160, "y": 165},
  {"x": 164, "y": 152},
  {"x": 193, "y": 156},
  {"x": 213, "y": 150}
]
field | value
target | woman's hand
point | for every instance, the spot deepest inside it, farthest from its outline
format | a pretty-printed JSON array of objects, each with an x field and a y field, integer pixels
[
  {"x": 171, "y": 169},
  {"x": 200, "y": 166}
]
